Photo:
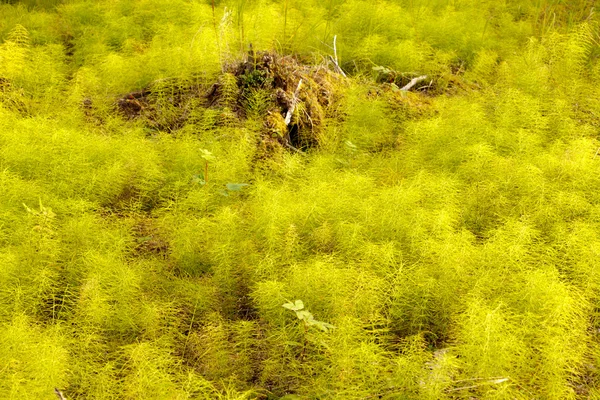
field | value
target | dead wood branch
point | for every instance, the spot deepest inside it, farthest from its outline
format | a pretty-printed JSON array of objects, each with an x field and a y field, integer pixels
[
  {"x": 59, "y": 394},
  {"x": 336, "y": 64},
  {"x": 413, "y": 82},
  {"x": 290, "y": 111},
  {"x": 489, "y": 382},
  {"x": 337, "y": 67},
  {"x": 335, "y": 49}
]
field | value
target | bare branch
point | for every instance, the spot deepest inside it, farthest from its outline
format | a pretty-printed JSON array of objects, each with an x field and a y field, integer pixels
[
  {"x": 290, "y": 111},
  {"x": 413, "y": 82},
  {"x": 337, "y": 67},
  {"x": 335, "y": 49},
  {"x": 490, "y": 382},
  {"x": 59, "y": 394},
  {"x": 335, "y": 60}
]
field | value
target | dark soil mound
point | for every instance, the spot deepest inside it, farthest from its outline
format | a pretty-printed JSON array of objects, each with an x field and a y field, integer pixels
[{"x": 289, "y": 97}]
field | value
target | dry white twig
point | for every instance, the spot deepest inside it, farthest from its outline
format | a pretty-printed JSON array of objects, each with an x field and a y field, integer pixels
[
  {"x": 59, "y": 394},
  {"x": 413, "y": 82},
  {"x": 337, "y": 67},
  {"x": 335, "y": 60},
  {"x": 489, "y": 382},
  {"x": 290, "y": 111},
  {"x": 335, "y": 49}
]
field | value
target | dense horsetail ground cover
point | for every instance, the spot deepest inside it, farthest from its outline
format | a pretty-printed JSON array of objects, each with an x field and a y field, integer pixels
[{"x": 250, "y": 199}]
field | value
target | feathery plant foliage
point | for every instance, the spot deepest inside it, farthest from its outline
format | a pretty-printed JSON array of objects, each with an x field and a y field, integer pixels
[{"x": 443, "y": 240}]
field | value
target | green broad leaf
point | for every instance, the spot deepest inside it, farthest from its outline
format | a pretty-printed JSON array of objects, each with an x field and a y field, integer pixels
[
  {"x": 382, "y": 69},
  {"x": 199, "y": 179},
  {"x": 324, "y": 326},
  {"x": 295, "y": 306},
  {"x": 236, "y": 187},
  {"x": 306, "y": 316},
  {"x": 224, "y": 193},
  {"x": 207, "y": 155}
]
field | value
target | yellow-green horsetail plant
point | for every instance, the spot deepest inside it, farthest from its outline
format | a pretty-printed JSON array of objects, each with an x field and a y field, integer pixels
[{"x": 160, "y": 240}]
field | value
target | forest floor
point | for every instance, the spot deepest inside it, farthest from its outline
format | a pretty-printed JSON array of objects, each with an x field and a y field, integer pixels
[{"x": 299, "y": 199}]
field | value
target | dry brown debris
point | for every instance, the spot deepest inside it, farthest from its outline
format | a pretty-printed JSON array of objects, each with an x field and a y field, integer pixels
[
  {"x": 12, "y": 97},
  {"x": 148, "y": 239},
  {"x": 264, "y": 86},
  {"x": 268, "y": 85}
]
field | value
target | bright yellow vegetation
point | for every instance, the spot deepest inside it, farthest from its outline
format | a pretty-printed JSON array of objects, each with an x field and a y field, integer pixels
[{"x": 437, "y": 243}]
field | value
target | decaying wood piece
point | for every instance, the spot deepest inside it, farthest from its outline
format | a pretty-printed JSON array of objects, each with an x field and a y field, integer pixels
[
  {"x": 290, "y": 111},
  {"x": 59, "y": 394},
  {"x": 413, "y": 82}
]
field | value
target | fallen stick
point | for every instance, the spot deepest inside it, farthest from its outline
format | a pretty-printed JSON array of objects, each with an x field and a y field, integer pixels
[
  {"x": 337, "y": 67},
  {"x": 335, "y": 61},
  {"x": 490, "y": 382},
  {"x": 290, "y": 111},
  {"x": 289, "y": 146},
  {"x": 335, "y": 49},
  {"x": 59, "y": 394},
  {"x": 413, "y": 82}
]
